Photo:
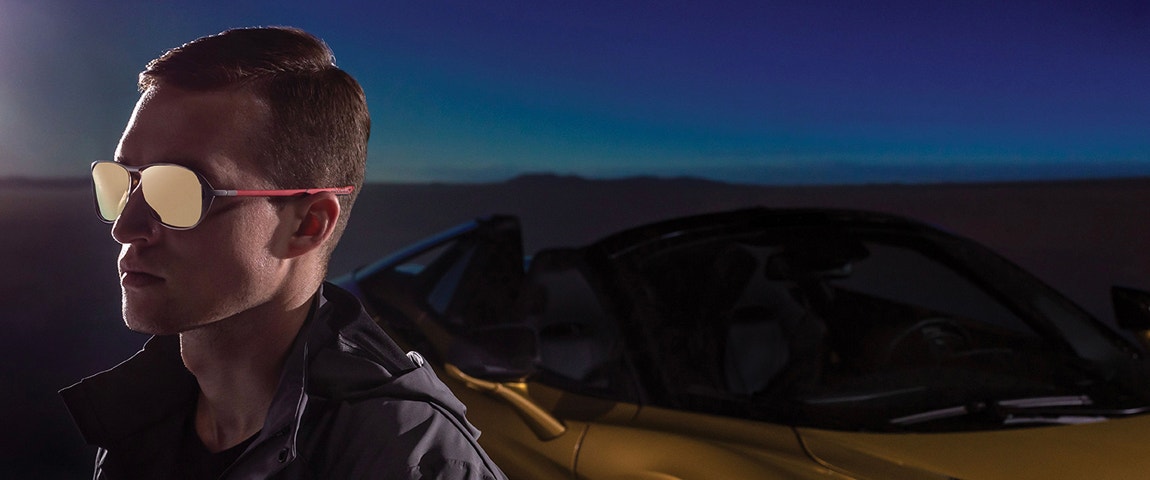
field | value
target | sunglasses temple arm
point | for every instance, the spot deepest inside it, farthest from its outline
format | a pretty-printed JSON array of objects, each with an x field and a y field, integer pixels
[{"x": 282, "y": 193}]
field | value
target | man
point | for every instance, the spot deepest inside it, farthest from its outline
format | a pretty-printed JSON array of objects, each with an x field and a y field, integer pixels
[{"x": 230, "y": 187}]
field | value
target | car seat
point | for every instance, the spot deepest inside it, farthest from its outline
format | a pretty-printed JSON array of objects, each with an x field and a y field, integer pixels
[
  {"x": 576, "y": 340},
  {"x": 766, "y": 335}
]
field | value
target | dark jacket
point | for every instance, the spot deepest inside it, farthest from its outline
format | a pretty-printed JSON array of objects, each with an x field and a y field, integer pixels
[{"x": 350, "y": 404}]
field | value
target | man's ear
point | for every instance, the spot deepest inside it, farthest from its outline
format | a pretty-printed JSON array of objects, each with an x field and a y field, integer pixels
[{"x": 314, "y": 219}]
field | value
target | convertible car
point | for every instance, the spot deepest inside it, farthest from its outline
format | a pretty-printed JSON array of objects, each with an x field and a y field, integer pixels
[{"x": 769, "y": 343}]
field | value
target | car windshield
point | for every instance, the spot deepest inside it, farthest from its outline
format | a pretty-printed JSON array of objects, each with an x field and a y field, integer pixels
[{"x": 874, "y": 329}]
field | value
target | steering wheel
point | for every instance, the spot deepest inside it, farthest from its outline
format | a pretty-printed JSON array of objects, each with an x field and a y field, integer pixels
[{"x": 932, "y": 340}]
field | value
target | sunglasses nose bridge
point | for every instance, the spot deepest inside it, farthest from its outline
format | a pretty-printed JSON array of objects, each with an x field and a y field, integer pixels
[{"x": 134, "y": 181}]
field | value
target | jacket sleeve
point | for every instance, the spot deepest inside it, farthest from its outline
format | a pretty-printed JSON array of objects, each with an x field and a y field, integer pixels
[{"x": 386, "y": 438}]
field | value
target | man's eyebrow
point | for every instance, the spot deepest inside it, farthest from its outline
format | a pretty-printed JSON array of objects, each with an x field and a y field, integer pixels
[{"x": 190, "y": 163}]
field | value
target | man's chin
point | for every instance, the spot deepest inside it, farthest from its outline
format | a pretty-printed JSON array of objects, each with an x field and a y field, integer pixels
[
  {"x": 152, "y": 324},
  {"x": 149, "y": 328}
]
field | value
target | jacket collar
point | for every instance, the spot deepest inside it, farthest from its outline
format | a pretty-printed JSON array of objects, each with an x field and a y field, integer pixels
[
  {"x": 149, "y": 389},
  {"x": 275, "y": 445}
]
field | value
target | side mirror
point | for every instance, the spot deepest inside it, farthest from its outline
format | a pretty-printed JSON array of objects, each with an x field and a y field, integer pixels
[
  {"x": 1132, "y": 312},
  {"x": 496, "y": 361}
]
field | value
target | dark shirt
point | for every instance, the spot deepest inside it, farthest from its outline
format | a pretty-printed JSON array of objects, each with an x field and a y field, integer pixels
[{"x": 199, "y": 463}]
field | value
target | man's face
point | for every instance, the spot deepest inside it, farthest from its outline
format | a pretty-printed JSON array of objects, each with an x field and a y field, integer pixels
[{"x": 173, "y": 281}]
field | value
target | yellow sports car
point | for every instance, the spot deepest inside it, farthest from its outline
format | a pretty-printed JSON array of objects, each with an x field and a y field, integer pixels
[{"x": 764, "y": 344}]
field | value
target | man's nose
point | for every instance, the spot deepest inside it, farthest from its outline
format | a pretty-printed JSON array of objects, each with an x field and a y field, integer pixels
[{"x": 136, "y": 222}]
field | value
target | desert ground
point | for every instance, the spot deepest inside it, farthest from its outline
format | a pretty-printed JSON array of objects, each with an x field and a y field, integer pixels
[{"x": 61, "y": 298}]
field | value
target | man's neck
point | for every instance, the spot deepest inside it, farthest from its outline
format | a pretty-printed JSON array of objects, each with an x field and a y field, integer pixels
[{"x": 237, "y": 363}]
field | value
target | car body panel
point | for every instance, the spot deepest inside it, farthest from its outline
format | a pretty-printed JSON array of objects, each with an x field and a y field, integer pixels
[
  {"x": 1112, "y": 449},
  {"x": 688, "y": 445}
]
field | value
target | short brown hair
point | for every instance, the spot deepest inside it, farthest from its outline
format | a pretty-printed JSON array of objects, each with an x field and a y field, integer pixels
[{"x": 319, "y": 125}]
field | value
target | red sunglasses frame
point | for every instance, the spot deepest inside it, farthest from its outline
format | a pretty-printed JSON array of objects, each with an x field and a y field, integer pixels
[{"x": 209, "y": 193}]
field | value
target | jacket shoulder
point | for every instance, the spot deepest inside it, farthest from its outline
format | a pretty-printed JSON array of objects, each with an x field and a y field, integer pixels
[
  {"x": 382, "y": 437},
  {"x": 375, "y": 411},
  {"x": 348, "y": 354}
]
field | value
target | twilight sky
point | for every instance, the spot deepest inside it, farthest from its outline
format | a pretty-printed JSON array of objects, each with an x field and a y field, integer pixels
[{"x": 773, "y": 92}]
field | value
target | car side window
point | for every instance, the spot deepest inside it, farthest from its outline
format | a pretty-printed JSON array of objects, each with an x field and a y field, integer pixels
[{"x": 472, "y": 281}]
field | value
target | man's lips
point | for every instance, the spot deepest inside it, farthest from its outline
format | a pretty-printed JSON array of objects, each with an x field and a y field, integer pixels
[{"x": 138, "y": 278}]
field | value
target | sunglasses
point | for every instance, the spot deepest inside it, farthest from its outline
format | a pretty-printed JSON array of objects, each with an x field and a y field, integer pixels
[{"x": 178, "y": 196}]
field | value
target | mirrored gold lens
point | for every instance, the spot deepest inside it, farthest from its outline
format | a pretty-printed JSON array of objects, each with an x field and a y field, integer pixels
[
  {"x": 112, "y": 184},
  {"x": 174, "y": 193}
]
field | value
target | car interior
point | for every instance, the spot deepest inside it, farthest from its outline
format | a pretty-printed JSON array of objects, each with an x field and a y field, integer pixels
[{"x": 755, "y": 325}]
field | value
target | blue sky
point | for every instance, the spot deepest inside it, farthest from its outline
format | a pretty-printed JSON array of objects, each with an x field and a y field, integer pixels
[{"x": 774, "y": 92}]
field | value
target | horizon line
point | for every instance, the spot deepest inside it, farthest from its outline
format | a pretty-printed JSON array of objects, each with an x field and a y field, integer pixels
[{"x": 11, "y": 181}]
